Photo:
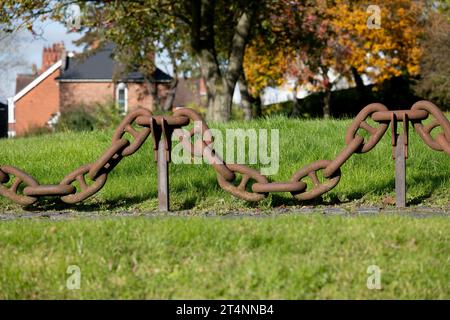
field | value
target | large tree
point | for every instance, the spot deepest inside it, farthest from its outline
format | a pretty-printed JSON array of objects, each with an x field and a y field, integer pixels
[
  {"x": 322, "y": 38},
  {"x": 216, "y": 33},
  {"x": 12, "y": 59},
  {"x": 434, "y": 80}
]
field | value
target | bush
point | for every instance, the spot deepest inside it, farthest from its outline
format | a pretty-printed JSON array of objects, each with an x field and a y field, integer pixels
[
  {"x": 88, "y": 118},
  {"x": 37, "y": 131}
]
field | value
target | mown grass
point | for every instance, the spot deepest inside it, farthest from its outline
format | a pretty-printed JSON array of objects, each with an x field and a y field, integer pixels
[
  {"x": 286, "y": 257},
  {"x": 367, "y": 179},
  {"x": 289, "y": 257}
]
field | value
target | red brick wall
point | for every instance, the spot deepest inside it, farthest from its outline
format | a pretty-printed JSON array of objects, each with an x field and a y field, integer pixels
[
  {"x": 139, "y": 96},
  {"x": 85, "y": 93},
  {"x": 35, "y": 108},
  {"x": 89, "y": 93}
]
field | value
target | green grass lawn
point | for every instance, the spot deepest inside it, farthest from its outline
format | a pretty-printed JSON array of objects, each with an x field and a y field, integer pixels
[
  {"x": 288, "y": 257},
  {"x": 367, "y": 179},
  {"x": 291, "y": 256}
]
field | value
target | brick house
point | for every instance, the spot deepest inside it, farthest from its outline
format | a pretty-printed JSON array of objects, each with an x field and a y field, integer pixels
[{"x": 66, "y": 81}]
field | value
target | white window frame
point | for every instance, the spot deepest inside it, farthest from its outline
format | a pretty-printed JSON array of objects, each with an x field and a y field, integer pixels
[
  {"x": 11, "y": 117},
  {"x": 122, "y": 86}
]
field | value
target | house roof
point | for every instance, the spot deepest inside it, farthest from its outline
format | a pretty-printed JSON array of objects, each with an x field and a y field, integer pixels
[
  {"x": 37, "y": 80},
  {"x": 101, "y": 66},
  {"x": 23, "y": 80}
]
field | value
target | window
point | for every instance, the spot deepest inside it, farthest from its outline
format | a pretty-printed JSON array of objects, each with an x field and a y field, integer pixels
[{"x": 122, "y": 98}]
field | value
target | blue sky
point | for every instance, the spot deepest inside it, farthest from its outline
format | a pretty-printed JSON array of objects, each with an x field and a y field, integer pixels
[
  {"x": 52, "y": 32},
  {"x": 31, "y": 49}
]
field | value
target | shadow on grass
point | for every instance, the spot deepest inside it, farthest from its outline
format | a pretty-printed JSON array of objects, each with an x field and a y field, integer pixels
[
  {"x": 56, "y": 204},
  {"x": 200, "y": 189},
  {"x": 385, "y": 188},
  {"x": 436, "y": 182}
]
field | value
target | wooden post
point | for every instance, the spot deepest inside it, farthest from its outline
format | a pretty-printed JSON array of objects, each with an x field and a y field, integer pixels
[
  {"x": 163, "y": 177},
  {"x": 400, "y": 171}
]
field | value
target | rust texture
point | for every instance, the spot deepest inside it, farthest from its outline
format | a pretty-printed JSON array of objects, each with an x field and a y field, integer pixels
[{"x": 239, "y": 180}]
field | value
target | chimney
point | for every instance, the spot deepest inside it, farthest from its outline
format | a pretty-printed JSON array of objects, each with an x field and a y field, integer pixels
[{"x": 51, "y": 55}]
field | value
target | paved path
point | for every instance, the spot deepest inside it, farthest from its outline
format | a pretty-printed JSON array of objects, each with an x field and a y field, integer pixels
[{"x": 416, "y": 212}]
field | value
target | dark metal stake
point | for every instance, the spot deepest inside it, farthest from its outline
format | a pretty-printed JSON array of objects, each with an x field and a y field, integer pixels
[
  {"x": 163, "y": 177},
  {"x": 400, "y": 171}
]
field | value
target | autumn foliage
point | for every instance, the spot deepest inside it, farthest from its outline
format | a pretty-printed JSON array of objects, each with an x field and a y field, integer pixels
[{"x": 341, "y": 38}]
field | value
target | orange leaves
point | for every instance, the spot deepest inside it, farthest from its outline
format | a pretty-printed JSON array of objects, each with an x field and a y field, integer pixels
[
  {"x": 314, "y": 38},
  {"x": 265, "y": 66},
  {"x": 387, "y": 51}
]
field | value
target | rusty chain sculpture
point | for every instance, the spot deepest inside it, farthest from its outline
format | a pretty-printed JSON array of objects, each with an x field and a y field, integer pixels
[{"x": 139, "y": 124}]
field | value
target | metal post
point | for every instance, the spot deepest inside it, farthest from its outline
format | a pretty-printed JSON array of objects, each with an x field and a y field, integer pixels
[
  {"x": 400, "y": 171},
  {"x": 163, "y": 177}
]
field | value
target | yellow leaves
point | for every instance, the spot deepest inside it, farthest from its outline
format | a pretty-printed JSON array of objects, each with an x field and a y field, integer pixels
[
  {"x": 389, "y": 51},
  {"x": 413, "y": 69},
  {"x": 264, "y": 67},
  {"x": 386, "y": 52}
]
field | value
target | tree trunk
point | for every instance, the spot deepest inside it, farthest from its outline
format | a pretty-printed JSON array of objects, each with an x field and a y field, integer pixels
[
  {"x": 327, "y": 95},
  {"x": 296, "y": 105},
  {"x": 258, "y": 106},
  {"x": 220, "y": 84},
  {"x": 327, "y": 104},
  {"x": 168, "y": 104},
  {"x": 246, "y": 101},
  {"x": 360, "y": 87},
  {"x": 154, "y": 93},
  {"x": 219, "y": 108}
]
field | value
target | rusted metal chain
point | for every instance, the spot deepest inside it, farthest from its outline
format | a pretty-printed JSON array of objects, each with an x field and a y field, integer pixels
[
  {"x": 3, "y": 177},
  {"x": 240, "y": 190},
  {"x": 138, "y": 125},
  {"x": 49, "y": 190},
  {"x": 318, "y": 187},
  {"x": 20, "y": 178},
  {"x": 442, "y": 140},
  {"x": 360, "y": 123},
  {"x": 343, "y": 156},
  {"x": 109, "y": 159},
  {"x": 126, "y": 126},
  {"x": 79, "y": 175},
  {"x": 291, "y": 186},
  {"x": 386, "y": 116}
]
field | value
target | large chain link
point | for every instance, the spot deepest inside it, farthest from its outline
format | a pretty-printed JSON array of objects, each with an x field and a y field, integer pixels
[
  {"x": 442, "y": 140},
  {"x": 20, "y": 178},
  {"x": 139, "y": 136},
  {"x": 375, "y": 134},
  {"x": 86, "y": 190},
  {"x": 241, "y": 190},
  {"x": 319, "y": 187}
]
